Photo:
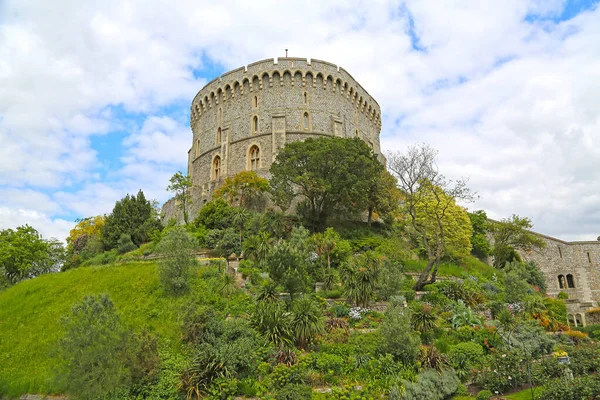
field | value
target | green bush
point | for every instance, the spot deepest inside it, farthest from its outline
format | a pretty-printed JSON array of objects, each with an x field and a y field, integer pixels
[
  {"x": 562, "y": 296},
  {"x": 580, "y": 388},
  {"x": 294, "y": 392},
  {"x": 125, "y": 244},
  {"x": 107, "y": 257},
  {"x": 340, "y": 310},
  {"x": 175, "y": 267},
  {"x": 329, "y": 363},
  {"x": 484, "y": 395},
  {"x": 432, "y": 385},
  {"x": 398, "y": 339}
]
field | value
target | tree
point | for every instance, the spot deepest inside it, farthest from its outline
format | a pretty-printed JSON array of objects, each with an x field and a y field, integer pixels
[
  {"x": 330, "y": 174},
  {"x": 510, "y": 236},
  {"x": 174, "y": 268},
  {"x": 132, "y": 215},
  {"x": 397, "y": 337},
  {"x": 479, "y": 242},
  {"x": 25, "y": 254},
  {"x": 240, "y": 217},
  {"x": 307, "y": 321},
  {"x": 91, "y": 348},
  {"x": 85, "y": 229},
  {"x": 273, "y": 322},
  {"x": 324, "y": 243},
  {"x": 360, "y": 277},
  {"x": 241, "y": 189},
  {"x": 439, "y": 224},
  {"x": 383, "y": 196},
  {"x": 216, "y": 214},
  {"x": 180, "y": 185}
]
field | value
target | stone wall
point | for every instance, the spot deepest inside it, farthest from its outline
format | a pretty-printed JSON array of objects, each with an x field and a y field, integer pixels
[{"x": 573, "y": 268}]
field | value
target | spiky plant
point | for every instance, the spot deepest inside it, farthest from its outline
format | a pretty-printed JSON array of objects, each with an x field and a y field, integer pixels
[{"x": 307, "y": 321}]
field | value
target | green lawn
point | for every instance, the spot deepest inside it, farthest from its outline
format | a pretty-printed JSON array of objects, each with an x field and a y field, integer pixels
[
  {"x": 522, "y": 395},
  {"x": 469, "y": 266},
  {"x": 30, "y": 314}
]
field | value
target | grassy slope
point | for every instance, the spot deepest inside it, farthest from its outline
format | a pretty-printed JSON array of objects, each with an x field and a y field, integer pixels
[{"x": 30, "y": 315}]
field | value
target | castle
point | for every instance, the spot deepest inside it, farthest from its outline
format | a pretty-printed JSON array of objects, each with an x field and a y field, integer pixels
[{"x": 240, "y": 120}]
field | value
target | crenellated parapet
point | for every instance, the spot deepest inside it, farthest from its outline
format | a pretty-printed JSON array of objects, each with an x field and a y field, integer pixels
[{"x": 296, "y": 72}]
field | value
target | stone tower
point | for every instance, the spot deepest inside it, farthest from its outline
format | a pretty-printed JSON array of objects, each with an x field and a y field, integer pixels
[{"x": 240, "y": 120}]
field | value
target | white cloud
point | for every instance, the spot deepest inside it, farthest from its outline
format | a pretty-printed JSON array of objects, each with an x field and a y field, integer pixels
[
  {"x": 48, "y": 227},
  {"x": 509, "y": 103}
]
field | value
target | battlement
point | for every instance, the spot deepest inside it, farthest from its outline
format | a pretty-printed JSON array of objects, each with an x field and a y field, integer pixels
[{"x": 298, "y": 71}]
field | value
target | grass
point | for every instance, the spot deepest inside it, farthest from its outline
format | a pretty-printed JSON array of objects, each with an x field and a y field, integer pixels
[
  {"x": 469, "y": 266},
  {"x": 522, "y": 395},
  {"x": 30, "y": 314}
]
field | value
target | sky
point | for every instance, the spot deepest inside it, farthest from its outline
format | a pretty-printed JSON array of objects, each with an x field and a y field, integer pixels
[{"x": 95, "y": 96}]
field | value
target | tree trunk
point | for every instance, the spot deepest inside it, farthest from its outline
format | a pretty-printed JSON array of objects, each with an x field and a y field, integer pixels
[
  {"x": 370, "y": 217},
  {"x": 424, "y": 275}
]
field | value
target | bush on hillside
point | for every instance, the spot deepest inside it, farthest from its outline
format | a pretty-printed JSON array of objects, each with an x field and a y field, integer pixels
[
  {"x": 432, "y": 385},
  {"x": 125, "y": 245},
  {"x": 177, "y": 260}
]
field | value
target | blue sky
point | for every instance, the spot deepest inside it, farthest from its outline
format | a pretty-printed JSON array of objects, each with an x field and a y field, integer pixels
[{"x": 95, "y": 99}]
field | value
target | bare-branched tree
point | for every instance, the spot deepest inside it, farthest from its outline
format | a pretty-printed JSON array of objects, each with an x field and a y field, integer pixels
[{"x": 430, "y": 202}]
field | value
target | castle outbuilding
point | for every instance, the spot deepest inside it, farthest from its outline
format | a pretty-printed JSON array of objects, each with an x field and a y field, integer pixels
[{"x": 240, "y": 120}]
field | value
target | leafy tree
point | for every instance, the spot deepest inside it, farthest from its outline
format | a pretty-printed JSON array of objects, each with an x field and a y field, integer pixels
[
  {"x": 383, "y": 196},
  {"x": 273, "y": 322},
  {"x": 216, "y": 214},
  {"x": 125, "y": 244},
  {"x": 307, "y": 321},
  {"x": 91, "y": 349},
  {"x": 25, "y": 254},
  {"x": 330, "y": 174},
  {"x": 240, "y": 217},
  {"x": 439, "y": 224},
  {"x": 257, "y": 247},
  {"x": 85, "y": 229},
  {"x": 479, "y": 242},
  {"x": 132, "y": 215},
  {"x": 224, "y": 242},
  {"x": 174, "y": 268},
  {"x": 397, "y": 336},
  {"x": 288, "y": 268},
  {"x": 241, "y": 189},
  {"x": 180, "y": 185},
  {"x": 510, "y": 236}
]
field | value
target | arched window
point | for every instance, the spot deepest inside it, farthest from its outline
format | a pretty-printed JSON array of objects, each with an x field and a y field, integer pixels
[
  {"x": 255, "y": 102},
  {"x": 254, "y": 124},
  {"x": 306, "y": 121},
  {"x": 356, "y": 133},
  {"x": 561, "y": 282},
  {"x": 216, "y": 170},
  {"x": 305, "y": 98},
  {"x": 570, "y": 281},
  {"x": 254, "y": 154},
  {"x": 219, "y": 136}
]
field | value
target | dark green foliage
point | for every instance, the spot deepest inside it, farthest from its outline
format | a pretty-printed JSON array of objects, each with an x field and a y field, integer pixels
[
  {"x": 480, "y": 245},
  {"x": 177, "y": 260},
  {"x": 532, "y": 339},
  {"x": 585, "y": 359},
  {"x": 125, "y": 245},
  {"x": 580, "y": 388},
  {"x": 562, "y": 295},
  {"x": 432, "y": 385},
  {"x": 528, "y": 272},
  {"x": 397, "y": 337},
  {"x": 484, "y": 395},
  {"x": 216, "y": 214},
  {"x": 273, "y": 322},
  {"x": 515, "y": 289},
  {"x": 142, "y": 358},
  {"x": 422, "y": 317},
  {"x": 330, "y": 174},
  {"x": 224, "y": 242},
  {"x": 294, "y": 392},
  {"x": 512, "y": 234},
  {"x": 25, "y": 254},
  {"x": 132, "y": 215},
  {"x": 307, "y": 321},
  {"x": 91, "y": 349},
  {"x": 195, "y": 322},
  {"x": 360, "y": 277},
  {"x": 499, "y": 367},
  {"x": 287, "y": 267}
]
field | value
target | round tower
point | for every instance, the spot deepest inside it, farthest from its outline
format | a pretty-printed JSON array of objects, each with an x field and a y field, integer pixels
[{"x": 240, "y": 120}]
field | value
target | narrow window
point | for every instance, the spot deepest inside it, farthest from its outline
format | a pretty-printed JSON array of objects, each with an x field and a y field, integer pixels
[
  {"x": 570, "y": 282},
  {"x": 306, "y": 121},
  {"x": 305, "y": 98},
  {"x": 255, "y": 102},
  {"x": 197, "y": 147},
  {"x": 589, "y": 257},
  {"x": 561, "y": 282},
  {"x": 254, "y": 124},
  {"x": 219, "y": 136},
  {"x": 254, "y": 158},
  {"x": 559, "y": 251},
  {"x": 217, "y": 167},
  {"x": 356, "y": 133},
  {"x": 220, "y": 114}
]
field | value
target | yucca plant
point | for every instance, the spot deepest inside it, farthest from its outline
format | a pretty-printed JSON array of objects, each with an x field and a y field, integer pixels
[
  {"x": 422, "y": 318},
  {"x": 307, "y": 321}
]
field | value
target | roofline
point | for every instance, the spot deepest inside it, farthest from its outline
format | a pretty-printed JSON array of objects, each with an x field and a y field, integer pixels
[{"x": 553, "y": 238}]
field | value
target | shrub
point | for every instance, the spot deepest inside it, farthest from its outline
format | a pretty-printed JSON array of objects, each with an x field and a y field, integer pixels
[
  {"x": 431, "y": 385},
  {"x": 91, "y": 349},
  {"x": 125, "y": 244},
  {"x": 484, "y": 395},
  {"x": 175, "y": 266},
  {"x": 503, "y": 371},
  {"x": 294, "y": 392},
  {"x": 562, "y": 296},
  {"x": 397, "y": 336},
  {"x": 585, "y": 359},
  {"x": 107, "y": 257},
  {"x": 340, "y": 310},
  {"x": 472, "y": 351},
  {"x": 580, "y": 388}
]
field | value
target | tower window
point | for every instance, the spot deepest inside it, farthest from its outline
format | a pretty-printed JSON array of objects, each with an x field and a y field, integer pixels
[
  {"x": 306, "y": 121},
  {"x": 305, "y": 98},
  {"x": 561, "y": 282},
  {"x": 255, "y": 102},
  {"x": 197, "y": 147},
  {"x": 356, "y": 133},
  {"x": 589, "y": 257},
  {"x": 219, "y": 136},
  {"x": 216, "y": 167},
  {"x": 254, "y": 158},
  {"x": 254, "y": 124},
  {"x": 559, "y": 251}
]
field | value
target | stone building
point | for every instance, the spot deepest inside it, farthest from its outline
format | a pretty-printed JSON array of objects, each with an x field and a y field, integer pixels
[
  {"x": 240, "y": 120},
  {"x": 573, "y": 268}
]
